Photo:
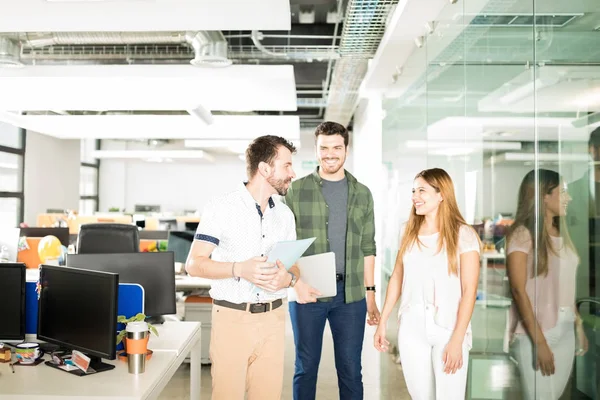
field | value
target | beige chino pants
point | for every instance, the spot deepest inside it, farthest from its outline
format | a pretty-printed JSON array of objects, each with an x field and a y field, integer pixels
[{"x": 246, "y": 351}]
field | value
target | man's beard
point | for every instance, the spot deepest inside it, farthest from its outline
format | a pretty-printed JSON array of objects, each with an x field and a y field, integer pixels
[
  {"x": 333, "y": 169},
  {"x": 279, "y": 185}
]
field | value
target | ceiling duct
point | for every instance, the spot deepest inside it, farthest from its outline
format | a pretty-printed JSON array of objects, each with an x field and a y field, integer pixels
[
  {"x": 210, "y": 47},
  {"x": 99, "y": 38},
  {"x": 9, "y": 53},
  {"x": 364, "y": 26}
]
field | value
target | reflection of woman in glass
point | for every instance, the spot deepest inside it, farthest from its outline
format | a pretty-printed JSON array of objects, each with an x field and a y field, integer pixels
[
  {"x": 436, "y": 271},
  {"x": 544, "y": 310}
]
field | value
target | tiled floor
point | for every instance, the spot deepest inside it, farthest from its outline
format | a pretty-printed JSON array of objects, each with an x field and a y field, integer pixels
[
  {"x": 493, "y": 374},
  {"x": 381, "y": 376}
]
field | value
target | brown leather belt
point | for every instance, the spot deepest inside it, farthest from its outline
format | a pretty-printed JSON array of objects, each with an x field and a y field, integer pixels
[{"x": 251, "y": 307}]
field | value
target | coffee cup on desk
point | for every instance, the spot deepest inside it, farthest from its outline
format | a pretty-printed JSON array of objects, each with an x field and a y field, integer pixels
[{"x": 28, "y": 353}]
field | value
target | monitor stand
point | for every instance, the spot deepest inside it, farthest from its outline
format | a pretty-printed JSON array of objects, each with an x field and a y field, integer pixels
[
  {"x": 95, "y": 363},
  {"x": 157, "y": 320}
]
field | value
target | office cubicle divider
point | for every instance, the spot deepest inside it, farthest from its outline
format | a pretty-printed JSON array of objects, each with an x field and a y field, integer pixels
[{"x": 130, "y": 302}]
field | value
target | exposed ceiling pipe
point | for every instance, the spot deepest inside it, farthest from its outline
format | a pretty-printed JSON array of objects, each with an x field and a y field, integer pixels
[
  {"x": 99, "y": 38},
  {"x": 210, "y": 47},
  {"x": 364, "y": 26},
  {"x": 257, "y": 36}
]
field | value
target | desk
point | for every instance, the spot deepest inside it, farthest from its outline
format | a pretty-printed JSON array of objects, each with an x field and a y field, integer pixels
[
  {"x": 198, "y": 311},
  {"x": 484, "y": 272},
  {"x": 184, "y": 283},
  {"x": 175, "y": 341}
]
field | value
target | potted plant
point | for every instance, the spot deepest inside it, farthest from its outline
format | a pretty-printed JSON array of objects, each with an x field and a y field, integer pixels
[{"x": 122, "y": 334}]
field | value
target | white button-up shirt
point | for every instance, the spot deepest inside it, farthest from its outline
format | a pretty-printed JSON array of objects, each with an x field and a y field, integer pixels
[{"x": 236, "y": 225}]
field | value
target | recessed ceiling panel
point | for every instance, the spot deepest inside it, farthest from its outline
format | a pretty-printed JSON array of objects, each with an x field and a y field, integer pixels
[
  {"x": 143, "y": 15},
  {"x": 148, "y": 87},
  {"x": 225, "y": 127}
]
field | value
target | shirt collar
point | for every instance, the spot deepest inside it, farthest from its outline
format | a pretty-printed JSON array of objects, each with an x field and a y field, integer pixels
[
  {"x": 319, "y": 180},
  {"x": 249, "y": 200}
]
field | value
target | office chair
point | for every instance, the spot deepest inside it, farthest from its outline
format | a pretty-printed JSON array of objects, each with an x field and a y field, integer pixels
[{"x": 108, "y": 238}]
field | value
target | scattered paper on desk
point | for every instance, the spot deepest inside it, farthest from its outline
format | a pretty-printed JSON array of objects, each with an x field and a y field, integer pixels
[{"x": 68, "y": 367}]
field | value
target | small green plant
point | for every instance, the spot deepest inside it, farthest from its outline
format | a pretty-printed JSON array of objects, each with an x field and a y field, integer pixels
[
  {"x": 113, "y": 209},
  {"x": 139, "y": 317}
]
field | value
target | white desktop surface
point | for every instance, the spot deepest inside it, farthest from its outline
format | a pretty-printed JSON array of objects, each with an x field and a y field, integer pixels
[
  {"x": 44, "y": 382},
  {"x": 183, "y": 282}
]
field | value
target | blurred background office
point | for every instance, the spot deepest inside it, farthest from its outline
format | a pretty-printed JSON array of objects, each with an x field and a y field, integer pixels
[{"x": 144, "y": 128}]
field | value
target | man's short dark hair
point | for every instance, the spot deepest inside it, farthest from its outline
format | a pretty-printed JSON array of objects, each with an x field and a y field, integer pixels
[
  {"x": 595, "y": 138},
  {"x": 329, "y": 128},
  {"x": 264, "y": 149}
]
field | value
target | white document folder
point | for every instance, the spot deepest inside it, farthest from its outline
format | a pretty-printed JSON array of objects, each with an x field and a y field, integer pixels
[{"x": 317, "y": 271}]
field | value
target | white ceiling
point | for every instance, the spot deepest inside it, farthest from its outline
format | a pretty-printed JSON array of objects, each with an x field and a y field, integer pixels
[
  {"x": 156, "y": 126},
  {"x": 143, "y": 15},
  {"x": 552, "y": 89},
  {"x": 500, "y": 129},
  {"x": 398, "y": 51},
  {"x": 148, "y": 87}
]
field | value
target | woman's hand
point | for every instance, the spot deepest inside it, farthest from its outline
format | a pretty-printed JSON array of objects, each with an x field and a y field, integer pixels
[
  {"x": 545, "y": 359},
  {"x": 379, "y": 340},
  {"x": 582, "y": 341},
  {"x": 453, "y": 356}
]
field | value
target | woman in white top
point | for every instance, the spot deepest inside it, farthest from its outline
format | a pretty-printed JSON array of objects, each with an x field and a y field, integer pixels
[
  {"x": 542, "y": 279},
  {"x": 436, "y": 272}
]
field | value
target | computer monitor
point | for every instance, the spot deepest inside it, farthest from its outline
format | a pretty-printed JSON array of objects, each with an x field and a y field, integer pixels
[
  {"x": 179, "y": 243},
  {"x": 61, "y": 234},
  {"x": 153, "y": 270},
  {"x": 153, "y": 235},
  {"x": 146, "y": 208},
  {"x": 12, "y": 301},
  {"x": 78, "y": 311}
]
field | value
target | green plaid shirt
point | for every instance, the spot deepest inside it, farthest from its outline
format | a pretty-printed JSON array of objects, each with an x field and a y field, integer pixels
[{"x": 305, "y": 199}]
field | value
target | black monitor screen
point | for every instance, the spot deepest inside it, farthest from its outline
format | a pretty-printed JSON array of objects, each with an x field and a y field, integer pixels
[
  {"x": 78, "y": 310},
  {"x": 61, "y": 234},
  {"x": 180, "y": 243},
  {"x": 154, "y": 271},
  {"x": 12, "y": 301}
]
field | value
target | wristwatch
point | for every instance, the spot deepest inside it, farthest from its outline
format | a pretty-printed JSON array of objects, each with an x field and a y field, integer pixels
[{"x": 293, "y": 281}]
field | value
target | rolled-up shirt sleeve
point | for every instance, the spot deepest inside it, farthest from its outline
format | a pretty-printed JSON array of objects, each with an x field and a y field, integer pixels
[{"x": 210, "y": 226}]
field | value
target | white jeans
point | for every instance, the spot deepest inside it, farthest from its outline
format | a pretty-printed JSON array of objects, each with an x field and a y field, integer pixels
[
  {"x": 421, "y": 343},
  {"x": 561, "y": 340}
]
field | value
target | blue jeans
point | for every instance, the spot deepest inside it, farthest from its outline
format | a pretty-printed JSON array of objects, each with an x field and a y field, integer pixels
[{"x": 347, "y": 322}]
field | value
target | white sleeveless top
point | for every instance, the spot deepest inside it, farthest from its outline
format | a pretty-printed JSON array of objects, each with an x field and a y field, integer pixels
[{"x": 427, "y": 280}]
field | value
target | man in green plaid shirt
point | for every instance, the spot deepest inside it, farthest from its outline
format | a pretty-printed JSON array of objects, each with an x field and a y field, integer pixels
[{"x": 331, "y": 205}]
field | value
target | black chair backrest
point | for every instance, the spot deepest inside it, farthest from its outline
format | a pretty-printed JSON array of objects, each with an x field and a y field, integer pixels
[{"x": 108, "y": 238}]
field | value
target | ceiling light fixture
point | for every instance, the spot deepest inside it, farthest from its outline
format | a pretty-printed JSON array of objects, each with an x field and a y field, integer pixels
[
  {"x": 152, "y": 154},
  {"x": 202, "y": 114},
  {"x": 545, "y": 78},
  {"x": 430, "y": 27},
  {"x": 419, "y": 41},
  {"x": 586, "y": 120}
]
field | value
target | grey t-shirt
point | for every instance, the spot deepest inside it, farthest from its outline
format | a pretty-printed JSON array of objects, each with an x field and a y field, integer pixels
[{"x": 336, "y": 197}]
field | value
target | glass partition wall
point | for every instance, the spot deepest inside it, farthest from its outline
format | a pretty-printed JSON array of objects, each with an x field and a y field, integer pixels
[{"x": 505, "y": 94}]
